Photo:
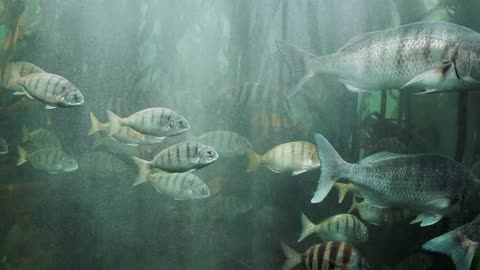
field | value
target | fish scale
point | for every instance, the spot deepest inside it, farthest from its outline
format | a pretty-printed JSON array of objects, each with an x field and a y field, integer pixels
[
  {"x": 180, "y": 186},
  {"x": 296, "y": 157}
]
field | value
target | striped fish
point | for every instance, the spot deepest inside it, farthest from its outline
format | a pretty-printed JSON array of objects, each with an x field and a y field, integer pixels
[
  {"x": 326, "y": 256},
  {"x": 124, "y": 134},
  {"x": 226, "y": 143},
  {"x": 227, "y": 207},
  {"x": 342, "y": 227},
  {"x": 53, "y": 161},
  {"x": 51, "y": 89},
  {"x": 381, "y": 215},
  {"x": 12, "y": 71},
  {"x": 159, "y": 122},
  {"x": 431, "y": 55},
  {"x": 3, "y": 146},
  {"x": 40, "y": 139},
  {"x": 181, "y": 157},
  {"x": 180, "y": 186},
  {"x": 293, "y": 157}
]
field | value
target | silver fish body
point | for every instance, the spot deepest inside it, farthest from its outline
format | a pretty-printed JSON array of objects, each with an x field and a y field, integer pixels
[
  {"x": 180, "y": 186},
  {"x": 3, "y": 146},
  {"x": 431, "y": 55},
  {"x": 53, "y": 161},
  {"x": 12, "y": 71},
  {"x": 226, "y": 143},
  {"x": 51, "y": 89},
  {"x": 41, "y": 139}
]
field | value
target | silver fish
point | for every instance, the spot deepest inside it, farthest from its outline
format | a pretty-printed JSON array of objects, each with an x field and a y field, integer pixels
[
  {"x": 342, "y": 227},
  {"x": 227, "y": 207},
  {"x": 380, "y": 215},
  {"x": 432, "y": 184},
  {"x": 53, "y": 161},
  {"x": 431, "y": 55},
  {"x": 12, "y": 71},
  {"x": 180, "y": 186},
  {"x": 3, "y": 146},
  {"x": 51, "y": 89},
  {"x": 460, "y": 244},
  {"x": 181, "y": 157},
  {"x": 40, "y": 139},
  {"x": 159, "y": 122},
  {"x": 226, "y": 143}
]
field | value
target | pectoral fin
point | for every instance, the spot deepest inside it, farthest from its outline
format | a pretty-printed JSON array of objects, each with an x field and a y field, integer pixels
[
  {"x": 427, "y": 219},
  {"x": 18, "y": 93},
  {"x": 298, "y": 172},
  {"x": 50, "y": 107},
  {"x": 431, "y": 78},
  {"x": 354, "y": 88}
]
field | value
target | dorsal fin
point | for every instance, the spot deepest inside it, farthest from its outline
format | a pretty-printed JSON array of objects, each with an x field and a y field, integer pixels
[{"x": 379, "y": 156}]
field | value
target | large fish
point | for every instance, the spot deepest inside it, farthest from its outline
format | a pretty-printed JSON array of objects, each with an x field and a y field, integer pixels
[
  {"x": 430, "y": 55},
  {"x": 432, "y": 184},
  {"x": 460, "y": 244}
]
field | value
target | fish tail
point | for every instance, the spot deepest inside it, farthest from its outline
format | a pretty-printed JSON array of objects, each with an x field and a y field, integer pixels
[
  {"x": 354, "y": 204},
  {"x": 299, "y": 65},
  {"x": 307, "y": 228},
  {"x": 143, "y": 170},
  {"x": 254, "y": 160},
  {"x": 96, "y": 125},
  {"x": 114, "y": 122},
  {"x": 342, "y": 191},
  {"x": 460, "y": 249},
  {"x": 293, "y": 257},
  {"x": 332, "y": 167},
  {"x": 22, "y": 156}
]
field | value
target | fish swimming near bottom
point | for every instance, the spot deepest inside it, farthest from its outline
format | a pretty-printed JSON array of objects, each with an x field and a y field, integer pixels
[
  {"x": 431, "y": 184},
  {"x": 3, "y": 146},
  {"x": 40, "y": 139},
  {"x": 180, "y": 186},
  {"x": 460, "y": 244},
  {"x": 53, "y": 161},
  {"x": 342, "y": 227},
  {"x": 326, "y": 256}
]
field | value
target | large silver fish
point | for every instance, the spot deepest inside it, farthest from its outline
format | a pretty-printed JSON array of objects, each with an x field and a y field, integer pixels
[
  {"x": 430, "y": 55},
  {"x": 432, "y": 184}
]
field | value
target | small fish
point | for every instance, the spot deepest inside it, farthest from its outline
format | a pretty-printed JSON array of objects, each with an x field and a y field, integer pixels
[
  {"x": 13, "y": 71},
  {"x": 380, "y": 215},
  {"x": 51, "y": 89},
  {"x": 432, "y": 184},
  {"x": 226, "y": 143},
  {"x": 460, "y": 244},
  {"x": 159, "y": 122},
  {"x": 293, "y": 157},
  {"x": 326, "y": 256},
  {"x": 40, "y": 139},
  {"x": 432, "y": 55},
  {"x": 180, "y": 186},
  {"x": 124, "y": 134},
  {"x": 53, "y": 161},
  {"x": 3, "y": 146},
  {"x": 342, "y": 227},
  {"x": 227, "y": 207},
  {"x": 181, "y": 157},
  {"x": 102, "y": 164},
  {"x": 344, "y": 188}
]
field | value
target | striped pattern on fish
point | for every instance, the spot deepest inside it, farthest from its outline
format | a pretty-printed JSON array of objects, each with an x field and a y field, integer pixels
[
  {"x": 180, "y": 186},
  {"x": 12, "y": 71},
  {"x": 52, "y": 161},
  {"x": 227, "y": 207},
  {"x": 431, "y": 55},
  {"x": 326, "y": 256},
  {"x": 226, "y": 143},
  {"x": 41, "y": 139}
]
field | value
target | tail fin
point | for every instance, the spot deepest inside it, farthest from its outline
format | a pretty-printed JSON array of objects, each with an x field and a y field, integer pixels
[
  {"x": 298, "y": 63},
  {"x": 293, "y": 257},
  {"x": 22, "y": 156},
  {"x": 454, "y": 244},
  {"x": 143, "y": 170},
  {"x": 25, "y": 134},
  {"x": 96, "y": 126},
  {"x": 342, "y": 191},
  {"x": 114, "y": 122},
  {"x": 355, "y": 204},
  {"x": 253, "y": 161},
  {"x": 332, "y": 165},
  {"x": 307, "y": 228}
]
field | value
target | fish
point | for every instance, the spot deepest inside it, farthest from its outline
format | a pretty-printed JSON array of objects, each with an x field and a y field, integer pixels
[
  {"x": 185, "y": 156},
  {"x": 325, "y": 256},
  {"x": 51, "y": 89},
  {"x": 3, "y": 146},
  {"x": 227, "y": 207},
  {"x": 460, "y": 244},
  {"x": 433, "y": 56},
  {"x": 53, "y": 161},
  {"x": 180, "y": 186},
  {"x": 432, "y": 184},
  {"x": 40, "y": 139},
  {"x": 341, "y": 227},
  {"x": 226, "y": 143},
  {"x": 13, "y": 71},
  {"x": 344, "y": 188},
  {"x": 124, "y": 134},
  {"x": 380, "y": 215},
  {"x": 102, "y": 164},
  {"x": 159, "y": 122},
  {"x": 293, "y": 157}
]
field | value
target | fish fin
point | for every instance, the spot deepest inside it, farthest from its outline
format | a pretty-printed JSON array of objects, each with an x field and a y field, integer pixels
[
  {"x": 114, "y": 122},
  {"x": 293, "y": 258},
  {"x": 299, "y": 172},
  {"x": 331, "y": 170},
  {"x": 95, "y": 125},
  {"x": 50, "y": 107},
  {"x": 254, "y": 160},
  {"x": 179, "y": 199},
  {"x": 353, "y": 88},
  {"x": 373, "y": 199},
  {"x": 431, "y": 77},
  {"x": 19, "y": 93},
  {"x": 460, "y": 249},
  {"x": 307, "y": 227},
  {"x": 143, "y": 170},
  {"x": 442, "y": 203},
  {"x": 355, "y": 204},
  {"x": 298, "y": 62},
  {"x": 427, "y": 219},
  {"x": 342, "y": 191},
  {"x": 379, "y": 156},
  {"x": 25, "y": 134},
  {"x": 22, "y": 156}
]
